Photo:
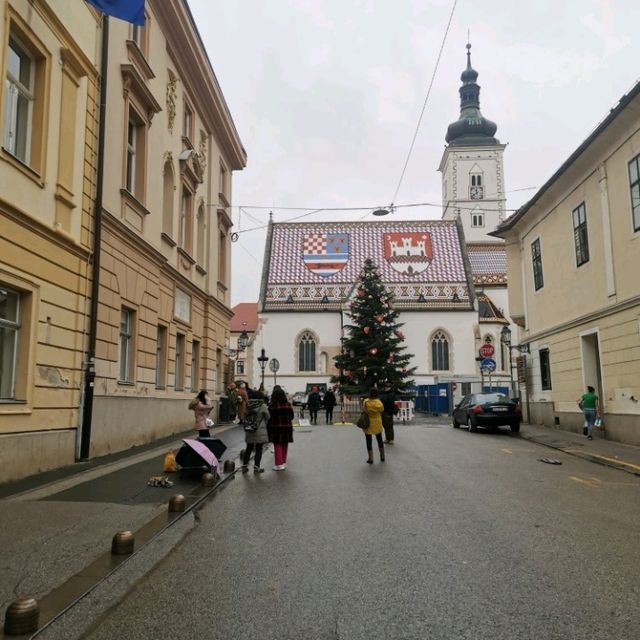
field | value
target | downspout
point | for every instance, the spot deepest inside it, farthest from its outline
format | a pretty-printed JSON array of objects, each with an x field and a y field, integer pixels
[{"x": 90, "y": 364}]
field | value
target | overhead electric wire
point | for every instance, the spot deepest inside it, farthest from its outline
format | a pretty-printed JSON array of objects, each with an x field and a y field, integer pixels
[{"x": 424, "y": 106}]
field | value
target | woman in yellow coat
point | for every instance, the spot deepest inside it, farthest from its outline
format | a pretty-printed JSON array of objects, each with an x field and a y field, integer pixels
[{"x": 374, "y": 408}]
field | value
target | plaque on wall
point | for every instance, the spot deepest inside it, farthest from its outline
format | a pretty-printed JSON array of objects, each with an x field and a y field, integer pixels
[{"x": 182, "y": 306}]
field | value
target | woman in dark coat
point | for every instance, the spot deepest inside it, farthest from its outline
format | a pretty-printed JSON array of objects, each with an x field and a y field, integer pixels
[
  {"x": 280, "y": 426},
  {"x": 329, "y": 403}
]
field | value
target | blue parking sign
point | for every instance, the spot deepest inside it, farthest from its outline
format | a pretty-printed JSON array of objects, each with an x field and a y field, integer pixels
[{"x": 488, "y": 365}]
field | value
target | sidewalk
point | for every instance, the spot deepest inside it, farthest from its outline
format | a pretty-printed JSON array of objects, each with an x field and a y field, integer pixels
[
  {"x": 624, "y": 457},
  {"x": 57, "y": 524}
]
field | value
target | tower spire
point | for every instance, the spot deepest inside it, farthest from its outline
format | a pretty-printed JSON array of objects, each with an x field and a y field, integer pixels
[{"x": 472, "y": 127}]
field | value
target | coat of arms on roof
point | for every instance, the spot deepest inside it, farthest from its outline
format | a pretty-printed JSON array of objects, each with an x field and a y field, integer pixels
[
  {"x": 325, "y": 253},
  {"x": 408, "y": 253}
]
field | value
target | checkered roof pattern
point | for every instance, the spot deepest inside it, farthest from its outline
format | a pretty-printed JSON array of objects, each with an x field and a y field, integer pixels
[
  {"x": 366, "y": 240},
  {"x": 487, "y": 259}
]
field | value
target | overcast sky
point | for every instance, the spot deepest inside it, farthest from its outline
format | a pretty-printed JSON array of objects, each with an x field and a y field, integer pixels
[{"x": 326, "y": 96}]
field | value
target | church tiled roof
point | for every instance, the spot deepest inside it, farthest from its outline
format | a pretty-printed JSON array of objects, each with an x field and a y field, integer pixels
[
  {"x": 488, "y": 263},
  {"x": 315, "y": 265}
]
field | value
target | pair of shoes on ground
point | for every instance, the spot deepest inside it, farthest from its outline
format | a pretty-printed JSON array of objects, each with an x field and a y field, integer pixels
[
  {"x": 589, "y": 437},
  {"x": 256, "y": 469},
  {"x": 389, "y": 442},
  {"x": 280, "y": 467}
]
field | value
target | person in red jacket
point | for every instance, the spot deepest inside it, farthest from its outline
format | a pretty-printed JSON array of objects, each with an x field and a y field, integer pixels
[
  {"x": 280, "y": 427},
  {"x": 243, "y": 401}
]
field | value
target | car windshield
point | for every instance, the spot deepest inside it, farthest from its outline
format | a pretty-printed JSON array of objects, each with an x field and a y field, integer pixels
[{"x": 485, "y": 398}]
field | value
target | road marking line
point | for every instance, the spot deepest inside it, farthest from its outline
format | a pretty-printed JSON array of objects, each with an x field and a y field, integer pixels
[
  {"x": 614, "y": 460},
  {"x": 506, "y": 450},
  {"x": 587, "y": 482}
]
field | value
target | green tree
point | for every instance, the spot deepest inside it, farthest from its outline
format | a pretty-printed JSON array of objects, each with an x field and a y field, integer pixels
[{"x": 372, "y": 350}]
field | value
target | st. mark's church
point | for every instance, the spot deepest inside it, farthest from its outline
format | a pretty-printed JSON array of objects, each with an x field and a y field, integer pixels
[{"x": 448, "y": 277}]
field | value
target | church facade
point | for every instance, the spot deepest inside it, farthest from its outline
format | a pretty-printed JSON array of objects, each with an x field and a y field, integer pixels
[{"x": 447, "y": 277}]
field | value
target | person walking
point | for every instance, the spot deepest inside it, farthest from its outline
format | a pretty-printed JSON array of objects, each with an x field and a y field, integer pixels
[
  {"x": 232, "y": 394},
  {"x": 374, "y": 408},
  {"x": 243, "y": 400},
  {"x": 258, "y": 414},
  {"x": 280, "y": 427},
  {"x": 313, "y": 404},
  {"x": 329, "y": 404},
  {"x": 201, "y": 406},
  {"x": 389, "y": 404},
  {"x": 590, "y": 405}
]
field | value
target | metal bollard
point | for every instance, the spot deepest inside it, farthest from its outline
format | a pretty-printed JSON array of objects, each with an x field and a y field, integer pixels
[
  {"x": 176, "y": 503},
  {"x": 208, "y": 480},
  {"x": 22, "y": 617},
  {"x": 229, "y": 466},
  {"x": 122, "y": 543}
]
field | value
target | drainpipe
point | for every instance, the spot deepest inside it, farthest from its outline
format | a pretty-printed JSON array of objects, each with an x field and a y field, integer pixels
[{"x": 90, "y": 364}]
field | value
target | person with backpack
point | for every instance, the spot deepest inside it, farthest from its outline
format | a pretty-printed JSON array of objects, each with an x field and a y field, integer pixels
[
  {"x": 255, "y": 433},
  {"x": 280, "y": 427},
  {"x": 373, "y": 408},
  {"x": 389, "y": 403},
  {"x": 201, "y": 406}
]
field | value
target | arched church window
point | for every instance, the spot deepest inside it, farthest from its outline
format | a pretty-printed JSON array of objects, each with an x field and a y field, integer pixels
[
  {"x": 477, "y": 219},
  {"x": 307, "y": 352},
  {"x": 488, "y": 339},
  {"x": 440, "y": 352}
]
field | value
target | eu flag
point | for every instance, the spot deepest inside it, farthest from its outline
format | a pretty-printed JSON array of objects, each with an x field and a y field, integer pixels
[{"x": 128, "y": 10}]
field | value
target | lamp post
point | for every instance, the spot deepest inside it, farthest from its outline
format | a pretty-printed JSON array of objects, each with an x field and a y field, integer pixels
[
  {"x": 263, "y": 358},
  {"x": 505, "y": 338}
]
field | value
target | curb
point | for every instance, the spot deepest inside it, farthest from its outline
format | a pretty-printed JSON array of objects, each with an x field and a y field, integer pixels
[{"x": 605, "y": 461}]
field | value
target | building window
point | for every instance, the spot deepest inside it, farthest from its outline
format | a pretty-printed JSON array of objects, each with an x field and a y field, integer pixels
[
  {"x": 634, "y": 185},
  {"x": 307, "y": 352},
  {"x": 18, "y": 102},
  {"x": 440, "y": 352},
  {"x": 161, "y": 357},
  {"x": 476, "y": 188},
  {"x": 219, "y": 370},
  {"x": 580, "y": 235},
  {"x": 536, "y": 257},
  {"x": 134, "y": 169},
  {"x": 186, "y": 220},
  {"x": 187, "y": 122},
  {"x": 179, "y": 380},
  {"x": 127, "y": 324},
  {"x": 465, "y": 388},
  {"x": 545, "y": 369},
  {"x": 168, "y": 188},
  {"x": 195, "y": 365},
  {"x": 222, "y": 258},
  {"x": 223, "y": 180},
  {"x": 200, "y": 239},
  {"x": 139, "y": 34},
  {"x": 477, "y": 219},
  {"x": 9, "y": 331},
  {"x": 240, "y": 368}
]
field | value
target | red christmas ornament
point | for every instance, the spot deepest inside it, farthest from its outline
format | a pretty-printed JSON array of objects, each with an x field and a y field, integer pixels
[
  {"x": 373, "y": 351},
  {"x": 379, "y": 317},
  {"x": 399, "y": 334},
  {"x": 366, "y": 330},
  {"x": 404, "y": 372},
  {"x": 360, "y": 293}
]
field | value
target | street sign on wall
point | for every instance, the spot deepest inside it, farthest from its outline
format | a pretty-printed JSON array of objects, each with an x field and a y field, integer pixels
[
  {"x": 488, "y": 365},
  {"x": 274, "y": 365},
  {"x": 487, "y": 350}
]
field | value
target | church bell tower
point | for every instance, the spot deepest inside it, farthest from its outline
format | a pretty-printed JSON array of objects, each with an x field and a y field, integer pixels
[{"x": 472, "y": 167}]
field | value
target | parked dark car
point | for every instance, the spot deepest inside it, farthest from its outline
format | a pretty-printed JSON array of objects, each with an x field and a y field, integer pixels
[{"x": 487, "y": 410}]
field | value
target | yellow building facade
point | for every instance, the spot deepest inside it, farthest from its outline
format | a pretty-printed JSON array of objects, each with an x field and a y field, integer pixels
[
  {"x": 49, "y": 107},
  {"x": 573, "y": 254},
  {"x": 163, "y": 312}
]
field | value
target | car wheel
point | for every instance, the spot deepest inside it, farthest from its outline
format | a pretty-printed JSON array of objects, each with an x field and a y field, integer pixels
[
  {"x": 472, "y": 427},
  {"x": 515, "y": 427},
  {"x": 456, "y": 424}
]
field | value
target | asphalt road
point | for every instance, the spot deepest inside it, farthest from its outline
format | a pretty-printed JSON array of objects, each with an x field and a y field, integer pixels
[{"x": 456, "y": 535}]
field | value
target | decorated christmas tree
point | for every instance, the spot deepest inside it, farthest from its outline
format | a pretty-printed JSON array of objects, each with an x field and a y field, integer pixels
[{"x": 372, "y": 349}]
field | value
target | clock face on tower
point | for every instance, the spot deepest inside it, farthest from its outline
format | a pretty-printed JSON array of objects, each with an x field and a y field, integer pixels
[{"x": 475, "y": 193}]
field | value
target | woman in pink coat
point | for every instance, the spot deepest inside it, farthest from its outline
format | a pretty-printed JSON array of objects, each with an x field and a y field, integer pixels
[{"x": 201, "y": 406}]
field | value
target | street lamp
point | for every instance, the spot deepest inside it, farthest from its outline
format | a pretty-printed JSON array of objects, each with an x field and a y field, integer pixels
[
  {"x": 263, "y": 358},
  {"x": 243, "y": 340},
  {"x": 505, "y": 338}
]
